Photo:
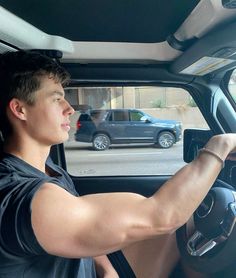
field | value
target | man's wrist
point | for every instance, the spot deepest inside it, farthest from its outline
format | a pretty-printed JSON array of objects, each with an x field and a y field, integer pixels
[
  {"x": 220, "y": 145},
  {"x": 210, "y": 152}
]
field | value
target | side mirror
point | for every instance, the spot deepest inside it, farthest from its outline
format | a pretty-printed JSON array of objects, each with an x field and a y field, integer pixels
[
  {"x": 145, "y": 119},
  {"x": 194, "y": 140}
]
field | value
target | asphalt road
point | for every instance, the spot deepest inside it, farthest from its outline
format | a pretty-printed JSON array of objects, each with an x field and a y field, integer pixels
[{"x": 82, "y": 160}]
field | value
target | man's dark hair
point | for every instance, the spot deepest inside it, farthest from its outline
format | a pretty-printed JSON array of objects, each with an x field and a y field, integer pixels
[{"x": 20, "y": 76}]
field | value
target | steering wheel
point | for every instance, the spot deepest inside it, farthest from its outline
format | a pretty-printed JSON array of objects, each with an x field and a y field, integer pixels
[{"x": 212, "y": 246}]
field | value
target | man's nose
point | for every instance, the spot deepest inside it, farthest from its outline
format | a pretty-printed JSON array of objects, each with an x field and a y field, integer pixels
[{"x": 69, "y": 109}]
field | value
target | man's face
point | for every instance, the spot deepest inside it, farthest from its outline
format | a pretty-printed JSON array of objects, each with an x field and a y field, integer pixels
[{"x": 48, "y": 119}]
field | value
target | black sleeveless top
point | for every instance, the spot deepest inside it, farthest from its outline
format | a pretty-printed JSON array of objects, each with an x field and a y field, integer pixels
[{"x": 20, "y": 253}]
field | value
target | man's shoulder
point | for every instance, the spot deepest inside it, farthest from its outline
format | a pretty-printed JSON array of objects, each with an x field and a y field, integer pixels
[
  {"x": 8, "y": 163},
  {"x": 15, "y": 174},
  {"x": 7, "y": 174}
]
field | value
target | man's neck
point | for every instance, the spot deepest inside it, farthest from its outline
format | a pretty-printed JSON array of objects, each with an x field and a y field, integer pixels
[{"x": 32, "y": 153}]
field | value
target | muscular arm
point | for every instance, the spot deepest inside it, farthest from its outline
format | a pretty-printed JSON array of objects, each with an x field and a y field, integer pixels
[{"x": 101, "y": 223}]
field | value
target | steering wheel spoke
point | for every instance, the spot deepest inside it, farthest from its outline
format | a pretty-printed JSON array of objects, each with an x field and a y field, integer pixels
[
  {"x": 210, "y": 246},
  {"x": 198, "y": 245}
]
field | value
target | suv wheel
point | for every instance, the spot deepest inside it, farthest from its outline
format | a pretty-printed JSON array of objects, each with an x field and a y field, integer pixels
[
  {"x": 101, "y": 142},
  {"x": 165, "y": 140}
]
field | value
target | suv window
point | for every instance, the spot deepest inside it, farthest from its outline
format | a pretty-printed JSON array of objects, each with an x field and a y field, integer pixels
[
  {"x": 136, "y": 116},
  {"x": 132, "y": 131},
  {"x": 119, "y": 116}
]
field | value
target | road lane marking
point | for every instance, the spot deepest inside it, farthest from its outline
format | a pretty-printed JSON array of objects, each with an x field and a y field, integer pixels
[{"x": 105, "y": 154}]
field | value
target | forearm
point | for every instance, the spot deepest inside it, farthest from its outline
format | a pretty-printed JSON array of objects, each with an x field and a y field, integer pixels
[
  {"x": 182, "y": 194},
  {"x": 134, "y": 217},
  {"x": 104, "y": 268}
]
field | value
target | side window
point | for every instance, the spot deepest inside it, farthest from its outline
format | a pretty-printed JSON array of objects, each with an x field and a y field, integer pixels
[
  {"x": 120, "y": 115},
  {"x": 152, "y": 148},
  {"x": 98, "y": 116},
  {"x": 135, "y": 116}
]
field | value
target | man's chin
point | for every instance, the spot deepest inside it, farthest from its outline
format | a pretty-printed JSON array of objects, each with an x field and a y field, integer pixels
[{"x": 61, "y": 140}]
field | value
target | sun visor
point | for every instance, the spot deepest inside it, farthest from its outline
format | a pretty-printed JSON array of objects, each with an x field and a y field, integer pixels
[{"x": 210, "y": 53}]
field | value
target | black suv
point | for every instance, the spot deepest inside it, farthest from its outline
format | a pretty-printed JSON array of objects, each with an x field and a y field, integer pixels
[{"x": 122, "y": 126}]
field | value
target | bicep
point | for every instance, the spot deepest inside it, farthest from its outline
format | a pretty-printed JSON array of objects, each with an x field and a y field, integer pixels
[
  {"x": 55, "y": 217},
  {"x": 91, "y": 225}
]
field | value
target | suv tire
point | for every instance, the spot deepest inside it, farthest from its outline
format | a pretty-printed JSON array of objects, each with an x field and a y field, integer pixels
[
  {"x": 101, "y": 142},
  {"x": 165, "y": 140}
]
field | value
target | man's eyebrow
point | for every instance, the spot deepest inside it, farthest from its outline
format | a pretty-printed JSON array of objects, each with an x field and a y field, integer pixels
[{"x": 58, "y": 93}]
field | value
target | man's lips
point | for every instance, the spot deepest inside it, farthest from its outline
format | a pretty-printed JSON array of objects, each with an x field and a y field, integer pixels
[{"x": 66, "y": 126}]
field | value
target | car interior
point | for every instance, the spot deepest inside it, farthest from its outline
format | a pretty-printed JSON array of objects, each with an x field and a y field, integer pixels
[{"x": 123, "y": 53}]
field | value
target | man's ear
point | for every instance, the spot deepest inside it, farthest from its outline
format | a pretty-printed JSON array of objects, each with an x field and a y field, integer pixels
[{"x": 17, "y": 108}]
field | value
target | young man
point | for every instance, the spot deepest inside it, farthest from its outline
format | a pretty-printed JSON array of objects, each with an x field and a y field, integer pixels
[{"x": 46, "y": 229}]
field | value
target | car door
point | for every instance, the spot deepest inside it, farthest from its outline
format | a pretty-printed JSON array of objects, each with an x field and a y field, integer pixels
[
  {"x": 117, "y": 125},
  {"x": 140, "y": 128}
]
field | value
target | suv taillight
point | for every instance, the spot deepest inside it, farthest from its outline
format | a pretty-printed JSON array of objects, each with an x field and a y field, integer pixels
[{"x": 78, "y": 125}]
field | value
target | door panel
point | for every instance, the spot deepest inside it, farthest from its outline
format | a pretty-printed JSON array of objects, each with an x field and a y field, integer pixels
[{"x": 144, "y": 185}]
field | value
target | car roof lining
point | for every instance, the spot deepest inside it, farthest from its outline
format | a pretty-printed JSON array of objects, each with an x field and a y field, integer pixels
[
  {"x": 16, "y": 30},
  {"x": 117, "y": 35},
  {"x": 209, "y": 53},
  {"x": 105, "y": 20},
  {"x": 123, "y": 74}
]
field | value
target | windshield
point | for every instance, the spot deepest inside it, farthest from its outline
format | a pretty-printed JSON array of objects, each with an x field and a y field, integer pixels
[{"x": 109, "y": 135}]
